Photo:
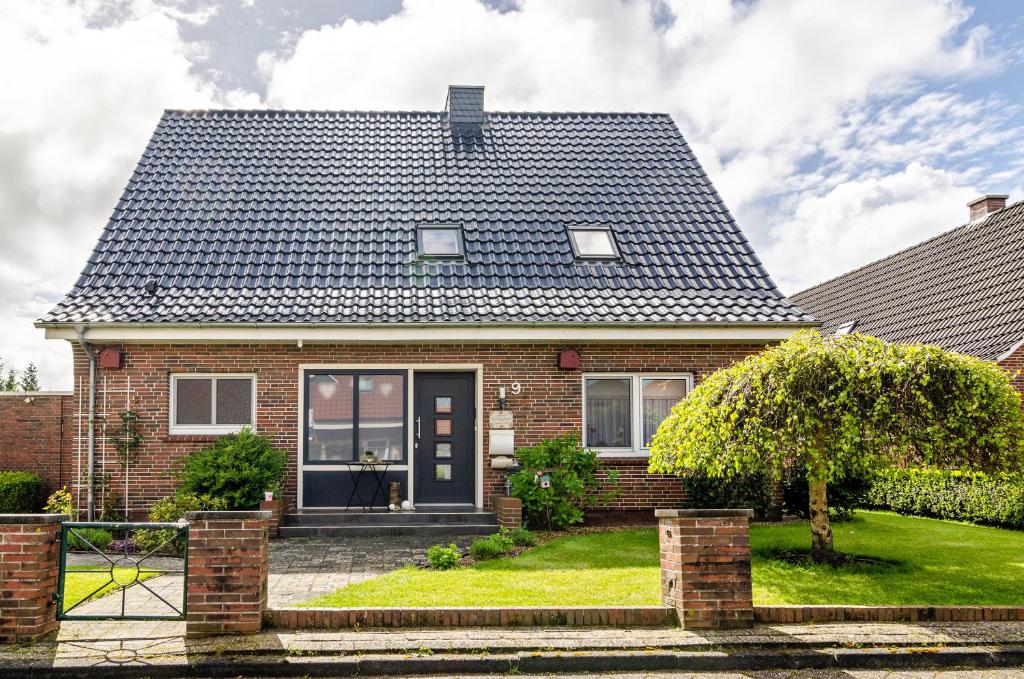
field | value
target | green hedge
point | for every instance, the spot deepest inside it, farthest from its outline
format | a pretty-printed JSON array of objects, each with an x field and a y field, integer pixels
[
  {"x": 754, "y": 491},
  {"x": 20, "y": 492},
  {"x": 990, "y": 499}
]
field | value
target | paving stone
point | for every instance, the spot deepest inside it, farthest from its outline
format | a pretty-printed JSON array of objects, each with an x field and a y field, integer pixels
[{"x": 303, "y": 568}]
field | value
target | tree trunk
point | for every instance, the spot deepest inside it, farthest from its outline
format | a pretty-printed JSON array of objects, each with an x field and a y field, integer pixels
[{"x": 821, "y": 532}]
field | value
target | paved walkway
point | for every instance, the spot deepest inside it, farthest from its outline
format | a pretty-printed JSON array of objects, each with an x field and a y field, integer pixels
[
  {"x": 302, "y": 568},
  {"x": 82, "y": 645}
]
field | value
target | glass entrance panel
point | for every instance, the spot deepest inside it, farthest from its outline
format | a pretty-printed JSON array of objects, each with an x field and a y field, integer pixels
[
  {"x": 382, "y": 416},
  {"x": 330, "y": 418}
]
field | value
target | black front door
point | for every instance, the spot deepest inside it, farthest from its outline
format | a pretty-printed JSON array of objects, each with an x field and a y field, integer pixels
[{"x": 445, "y": 445}]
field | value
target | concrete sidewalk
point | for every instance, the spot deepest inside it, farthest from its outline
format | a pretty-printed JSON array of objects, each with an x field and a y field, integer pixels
[{"x": 159, "y": 649}]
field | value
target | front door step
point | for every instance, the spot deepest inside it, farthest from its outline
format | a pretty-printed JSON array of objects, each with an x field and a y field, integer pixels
[{"x": 338, "y": 523}]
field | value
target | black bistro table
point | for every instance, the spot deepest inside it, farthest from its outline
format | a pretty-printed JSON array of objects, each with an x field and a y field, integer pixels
[{"x": 356, "y": 470}]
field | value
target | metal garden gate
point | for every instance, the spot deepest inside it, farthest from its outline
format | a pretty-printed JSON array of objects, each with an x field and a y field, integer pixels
[{"x": 122, "y": 571}]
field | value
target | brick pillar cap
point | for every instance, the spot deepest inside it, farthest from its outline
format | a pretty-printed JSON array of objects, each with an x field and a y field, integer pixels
[
  {"x": 701, "y": 513},
  {"x": 33, "y": 518},
  {"x": 229, "y": 516}
]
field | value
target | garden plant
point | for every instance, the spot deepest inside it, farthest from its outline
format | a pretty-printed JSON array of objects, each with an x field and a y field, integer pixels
[
  {"x": 20, "y": 492},
  {"x": 237, "y": 469},
  {"x": 558, "y": 480},
  {"x": 843, "y": 406}
]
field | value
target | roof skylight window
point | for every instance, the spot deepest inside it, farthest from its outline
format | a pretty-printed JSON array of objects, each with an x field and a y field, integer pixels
[
  {"x": 846, "y": 328},
  {"x": 593, "y": 242},
  {"x": 440, "y": 241}
]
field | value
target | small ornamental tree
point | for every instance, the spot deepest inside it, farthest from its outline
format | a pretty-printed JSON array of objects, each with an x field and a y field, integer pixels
[
  {"x": 30, "y": 378},
  {"x": 843, "y": 405}
]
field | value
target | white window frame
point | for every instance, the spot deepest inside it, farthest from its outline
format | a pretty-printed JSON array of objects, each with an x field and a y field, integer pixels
[
  {"x": 636, "y": 408},
  {"x": 580, "y": 255},
  {"x": 206, "y": 429},
  {"x": 459, "y": 242}
]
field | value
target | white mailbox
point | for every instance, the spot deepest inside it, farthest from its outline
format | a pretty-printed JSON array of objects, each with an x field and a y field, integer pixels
[{"x": 503, "y": 442}]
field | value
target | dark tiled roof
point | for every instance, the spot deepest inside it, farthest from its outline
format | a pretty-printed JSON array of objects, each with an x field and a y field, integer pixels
[
  {"x": 302, "y": 216},
  {"x": 962, "y": 290}
]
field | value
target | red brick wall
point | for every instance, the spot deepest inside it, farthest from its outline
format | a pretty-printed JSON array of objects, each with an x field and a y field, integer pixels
[
  {"x": 32, "y": 434},
  {"x": 550, "y": 403},
  {"x": 1014, "y": 364},
  {"x": 29, "y": 548},
  {"x": 705, "y": 567},
  {"x": 226, "y": 584}
]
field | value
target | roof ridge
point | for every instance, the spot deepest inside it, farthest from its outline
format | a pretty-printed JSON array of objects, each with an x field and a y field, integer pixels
[
  {"x": 285, "y": 111},
  {"x": 919, "y": 244}
]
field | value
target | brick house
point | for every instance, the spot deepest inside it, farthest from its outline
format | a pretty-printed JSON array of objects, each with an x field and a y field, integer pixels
[
  {"x": 438, "y": 288},
  {"x": 962, "y": 290}
]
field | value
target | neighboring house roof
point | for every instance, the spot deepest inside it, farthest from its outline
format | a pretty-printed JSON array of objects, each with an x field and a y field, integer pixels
[
  {"x": 962, "y": 290},
  {"x": 289, "y": 217}
]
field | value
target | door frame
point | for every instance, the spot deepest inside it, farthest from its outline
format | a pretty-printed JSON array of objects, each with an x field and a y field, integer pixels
[{"x": 411, "y": 369}]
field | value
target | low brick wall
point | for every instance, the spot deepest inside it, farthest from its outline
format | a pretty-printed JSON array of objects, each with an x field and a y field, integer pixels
[
  {"x": 555, "y": 616},
  {"x": 276, "y": 509},
  {"x": 29, "y": 551},
  {"x": 226, "y": 587},
  {"x": 509, "y": 511},
  {"x": 804, "y": 614},
  {"x": 37, "y": 427},
  {"x": 705, "y": 566}
]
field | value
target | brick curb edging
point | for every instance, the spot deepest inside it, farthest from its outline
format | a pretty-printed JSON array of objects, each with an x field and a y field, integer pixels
[
  {"x": 561, "y": 616},
  {"x": 803, "y": 614},
  {"x": 616, "y": 616}
]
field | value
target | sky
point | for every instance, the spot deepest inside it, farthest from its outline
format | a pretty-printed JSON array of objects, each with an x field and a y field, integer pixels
[{"x": 837, "y": 132}]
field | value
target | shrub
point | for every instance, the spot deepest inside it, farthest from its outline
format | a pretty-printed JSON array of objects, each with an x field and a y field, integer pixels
[
  {"x": 521, "y": 537},
  {"x": 170, "y": 510},
  {"x": 238, "y": 469},
  {"x": 20, "y": 492},
  {"x": 491, "y": 547},
  {"x": 990, "y": 499},
  {"x": 754, "y": 491},
  {"x": 61, "y": 502},
  {"x": 443, "y": 558},
  {"x": 575, "y": 487},
  {"x": 845, "y": 494},
  {"x": 742, "y": 492},
  {"x": 79, "y": 538}
]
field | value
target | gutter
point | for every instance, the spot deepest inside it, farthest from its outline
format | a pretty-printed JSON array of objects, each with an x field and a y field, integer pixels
[{"x": 91, "y": 456}]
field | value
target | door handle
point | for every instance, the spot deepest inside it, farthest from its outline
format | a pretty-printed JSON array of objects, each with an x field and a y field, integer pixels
[{"x": 417, "y": 429}]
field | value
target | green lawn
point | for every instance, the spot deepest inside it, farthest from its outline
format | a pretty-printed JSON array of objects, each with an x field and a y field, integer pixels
[
  {"x": 939, "y": 562},
  {"x": 80, "y": 581}
]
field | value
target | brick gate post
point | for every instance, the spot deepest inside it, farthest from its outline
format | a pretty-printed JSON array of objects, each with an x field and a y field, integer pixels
[
  {"x": 29, "y": 553},
  {"x": 226, "y": 584},
  {"x": 705, "y": 566}
]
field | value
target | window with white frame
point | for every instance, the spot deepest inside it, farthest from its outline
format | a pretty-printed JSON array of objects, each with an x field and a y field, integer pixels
[
  {"x": 593, "y": 242},
  {"x": 440, "y": 241},
  {"x": 621, "y": 412},
  {"x": 212, "y": 404}
]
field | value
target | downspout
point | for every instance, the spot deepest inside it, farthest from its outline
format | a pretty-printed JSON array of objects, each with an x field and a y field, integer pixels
[{"x": 91, "y": 455}]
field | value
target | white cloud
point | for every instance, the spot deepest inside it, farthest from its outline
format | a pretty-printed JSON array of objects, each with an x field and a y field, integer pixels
[
  {"x": 862, "y": 220},
  {"x": 81, "y": 96}
]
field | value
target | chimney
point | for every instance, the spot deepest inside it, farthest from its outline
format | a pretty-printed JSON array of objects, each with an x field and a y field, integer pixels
[
  {"x": 465, "y": 106},
  {"x": 983, "y": 206}
]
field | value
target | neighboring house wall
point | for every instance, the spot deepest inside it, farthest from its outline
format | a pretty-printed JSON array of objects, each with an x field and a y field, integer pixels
[
  {"x": 1014, "y": 363},
  {"x": 34, "y": 428},
  {"x": 550, "y": 403}
]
